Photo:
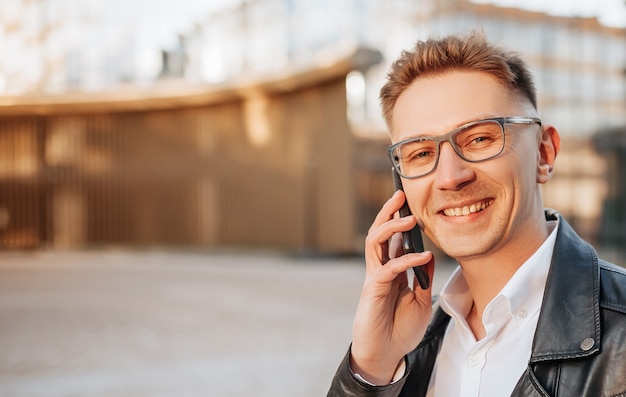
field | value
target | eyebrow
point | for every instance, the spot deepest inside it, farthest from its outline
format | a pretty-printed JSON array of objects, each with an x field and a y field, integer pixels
[{"x": 465, "y": 121}]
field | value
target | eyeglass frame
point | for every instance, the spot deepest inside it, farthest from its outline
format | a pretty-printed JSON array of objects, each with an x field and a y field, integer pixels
[{"x": 447, "y": 137}]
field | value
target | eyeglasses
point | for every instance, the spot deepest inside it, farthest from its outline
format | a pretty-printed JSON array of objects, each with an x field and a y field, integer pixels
[{"x": 474, "y": 142}]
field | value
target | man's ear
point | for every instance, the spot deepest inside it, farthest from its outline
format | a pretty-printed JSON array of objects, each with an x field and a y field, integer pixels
[{"x": 549, "y": 145}]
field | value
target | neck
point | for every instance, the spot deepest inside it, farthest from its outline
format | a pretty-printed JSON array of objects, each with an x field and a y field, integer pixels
[{"x": 488, "y": 274}]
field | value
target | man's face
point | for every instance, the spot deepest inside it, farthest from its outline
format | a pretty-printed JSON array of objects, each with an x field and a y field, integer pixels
[{"x": 501, "y": 194}]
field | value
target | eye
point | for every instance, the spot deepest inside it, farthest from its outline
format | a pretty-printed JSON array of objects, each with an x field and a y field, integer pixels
[
  {"x": 420, "y": 154},
  {"x": 418, "y": 151},
  {"x": 479, "y": 137}
]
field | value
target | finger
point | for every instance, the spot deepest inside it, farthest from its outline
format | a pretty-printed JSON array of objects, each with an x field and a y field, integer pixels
[
  {"x": 401, "y": 264},
  {"x": 390, "y": 282},
  {"x": 429, "y": 267},
  {"x": 377, "y": 241},
  {"x": 388, "y": 210},
  {"x": 395, "y": 246}
]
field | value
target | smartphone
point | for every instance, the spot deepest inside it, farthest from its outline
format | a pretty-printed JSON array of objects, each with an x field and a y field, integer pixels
[{"x": 411, "y": 240}]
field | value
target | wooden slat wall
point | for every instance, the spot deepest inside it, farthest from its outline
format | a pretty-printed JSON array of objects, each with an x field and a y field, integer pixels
[{"x": 268, "y": 169}]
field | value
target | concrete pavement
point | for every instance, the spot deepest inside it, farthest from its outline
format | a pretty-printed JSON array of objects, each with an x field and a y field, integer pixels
[{"x": 163, "y": 323}]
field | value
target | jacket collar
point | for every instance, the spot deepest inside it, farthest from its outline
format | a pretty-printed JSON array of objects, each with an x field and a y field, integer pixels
[{"x": 569, "y": 321}]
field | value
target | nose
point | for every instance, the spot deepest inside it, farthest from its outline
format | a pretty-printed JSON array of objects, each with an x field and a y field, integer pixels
[{"x": 452, "y": 171}]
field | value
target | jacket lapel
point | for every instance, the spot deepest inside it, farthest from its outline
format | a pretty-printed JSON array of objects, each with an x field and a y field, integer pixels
[{"x": 569, "y": 321}]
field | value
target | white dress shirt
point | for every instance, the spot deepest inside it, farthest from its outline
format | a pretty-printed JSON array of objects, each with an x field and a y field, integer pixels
[{"x": 491, "y": 366}]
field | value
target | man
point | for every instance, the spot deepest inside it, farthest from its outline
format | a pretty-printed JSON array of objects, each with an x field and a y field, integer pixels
[{"x": 531, "y": 311}]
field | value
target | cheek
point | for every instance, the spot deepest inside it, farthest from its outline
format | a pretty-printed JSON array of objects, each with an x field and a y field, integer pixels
[
  {"x": 520, "y": 160},
  {"x": 526, "y": 167},
  {"x": 526, "y": 147},
  {"x": 416, "y": 194}
]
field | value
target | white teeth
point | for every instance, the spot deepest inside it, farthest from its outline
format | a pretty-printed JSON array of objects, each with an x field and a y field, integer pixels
[{"x": 466, "y": 210}]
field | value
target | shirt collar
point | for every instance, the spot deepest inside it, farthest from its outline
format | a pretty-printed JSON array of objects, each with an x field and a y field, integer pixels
[{"x": 525, "y": 289}]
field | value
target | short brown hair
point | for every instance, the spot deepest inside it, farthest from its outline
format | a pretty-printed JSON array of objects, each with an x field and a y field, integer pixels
[{"x": 469, "y": 53}]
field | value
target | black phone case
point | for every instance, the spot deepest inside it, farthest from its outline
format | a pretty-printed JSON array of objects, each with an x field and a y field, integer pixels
[{"x": 412, "y": 240}]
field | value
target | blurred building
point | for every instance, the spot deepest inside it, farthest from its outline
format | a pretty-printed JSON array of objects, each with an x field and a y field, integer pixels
[
  {"x": 297, "y": 44},
  {"x": 263, "y": 163},
  {"x": 59, "y": 46}
]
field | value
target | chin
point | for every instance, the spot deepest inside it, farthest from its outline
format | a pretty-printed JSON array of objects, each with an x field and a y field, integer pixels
[{"x": 467, "y": 247}]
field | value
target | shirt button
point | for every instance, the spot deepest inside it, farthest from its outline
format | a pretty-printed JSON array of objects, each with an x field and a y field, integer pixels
[
  {"x": 587, "y": 344},
  {"x": 522, "y": 313},
  {"x": 473, "y": 361}
]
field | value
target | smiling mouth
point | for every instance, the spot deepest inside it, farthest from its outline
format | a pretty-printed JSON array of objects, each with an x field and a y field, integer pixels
[{"x": 462, "y": 211}]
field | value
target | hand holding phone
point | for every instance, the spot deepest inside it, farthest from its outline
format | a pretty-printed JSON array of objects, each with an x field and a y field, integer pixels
[{"x": 411, "y": 240}]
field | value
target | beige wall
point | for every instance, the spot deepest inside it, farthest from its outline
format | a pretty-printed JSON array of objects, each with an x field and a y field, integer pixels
[{"x": 258, "y": 166}]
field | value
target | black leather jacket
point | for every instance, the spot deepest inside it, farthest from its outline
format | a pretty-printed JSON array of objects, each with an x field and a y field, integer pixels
[{"x": 579, "y": 348}]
